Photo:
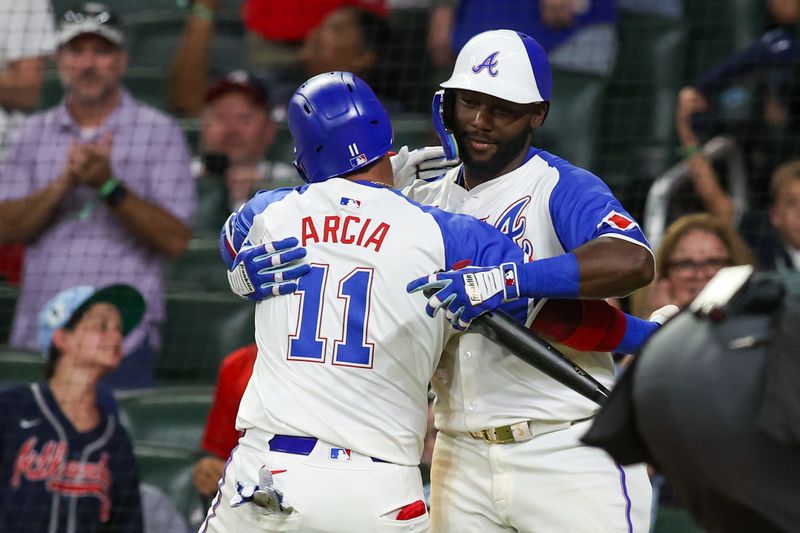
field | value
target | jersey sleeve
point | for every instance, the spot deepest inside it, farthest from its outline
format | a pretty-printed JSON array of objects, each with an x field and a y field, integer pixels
[
  {"x": 582, "y": 208},
  {"x": 237, "y": 227}
]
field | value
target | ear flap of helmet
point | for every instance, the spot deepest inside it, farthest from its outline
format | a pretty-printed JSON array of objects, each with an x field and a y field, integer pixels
[{"x": 442, "y": 117}]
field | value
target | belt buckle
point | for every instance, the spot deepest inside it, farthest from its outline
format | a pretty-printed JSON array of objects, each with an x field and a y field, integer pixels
[{"x": 518, "y": 432}]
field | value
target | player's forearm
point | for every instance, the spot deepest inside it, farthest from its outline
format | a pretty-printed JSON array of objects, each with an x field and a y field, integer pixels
[
  {"x": 22, "y": 220},
  {"x": 188, "y": 77},
  {"x": 706, "y": 183},
  {"x": 602, "y": 268},
  {"x": 152, "y": 224}
]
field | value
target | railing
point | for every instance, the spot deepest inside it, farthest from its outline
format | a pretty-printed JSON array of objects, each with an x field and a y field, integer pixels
[{"x": 660, "y": 194}]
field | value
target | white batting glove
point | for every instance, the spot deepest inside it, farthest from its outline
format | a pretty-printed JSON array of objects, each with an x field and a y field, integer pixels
[
  {"x": 422, "y": 163},
  {"x": 264, "y": 496}
]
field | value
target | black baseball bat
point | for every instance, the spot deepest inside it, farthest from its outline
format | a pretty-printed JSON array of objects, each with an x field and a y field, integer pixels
[{"x": 502, "y": 329}]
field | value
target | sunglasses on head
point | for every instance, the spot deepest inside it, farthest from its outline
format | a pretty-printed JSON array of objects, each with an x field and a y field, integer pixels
[{"x": 99, "y": 17}]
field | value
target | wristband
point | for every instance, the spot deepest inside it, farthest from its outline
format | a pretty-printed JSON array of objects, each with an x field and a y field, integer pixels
[
  {"x": 112, "y": 192},
  {"x": 107, "y": 187},
  {"x": 203, "y": 12},
  {"x": 689, "y": 151},
  {"x": 553, "y": 277},
  {"x": 637, "y": 331}
]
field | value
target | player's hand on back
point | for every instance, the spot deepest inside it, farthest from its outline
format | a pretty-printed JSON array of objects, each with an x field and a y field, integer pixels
[
  {"x": 265, "y": 270},
  {"x": 467, "y": 293},
  {"x": 422, "y": 163}
]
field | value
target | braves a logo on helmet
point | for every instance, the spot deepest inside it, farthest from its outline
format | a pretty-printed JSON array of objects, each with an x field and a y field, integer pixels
[
  {"x": 618, "y": 221},
  {"x": 490, "y": 64},
  {"x": 513, "y": 223}
]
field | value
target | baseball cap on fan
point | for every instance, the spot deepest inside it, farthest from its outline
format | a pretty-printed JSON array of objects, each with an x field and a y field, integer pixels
[
  {"x": 507, "y": 64},
  {"x": 243, "y": 82},
  {"x": 91, "y": 18},
  {"x": 63, "y": 306}
]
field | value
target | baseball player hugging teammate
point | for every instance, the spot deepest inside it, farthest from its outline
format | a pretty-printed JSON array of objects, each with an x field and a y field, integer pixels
[{"x": 508, "y": 456}]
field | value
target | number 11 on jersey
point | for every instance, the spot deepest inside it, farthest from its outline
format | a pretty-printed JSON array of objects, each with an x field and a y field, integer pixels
[{"x": 355, "y": 290}]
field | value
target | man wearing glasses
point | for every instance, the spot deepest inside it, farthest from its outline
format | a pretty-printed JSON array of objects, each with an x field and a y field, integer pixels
[{"x": 99, "y": 187}]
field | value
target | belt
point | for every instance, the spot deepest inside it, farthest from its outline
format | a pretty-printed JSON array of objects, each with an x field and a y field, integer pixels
[
  {"x": 523, "y": 431},
  {"x": 299, "y": 445}
]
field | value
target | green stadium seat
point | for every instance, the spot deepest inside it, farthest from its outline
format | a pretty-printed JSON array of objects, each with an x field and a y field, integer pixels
[
  {"x": 8, "y": 302},
  {"x": 640, "y": 100},
  {"x": 571, "y": 128},
  {"x": 171, "y": 471},
  {"x": 414, "y": 131},
  {"x": 166, "y": 416},
  {"x": 153, "y": 38},
  {"x": 148, "y": 85},
  {"x": 52, "y": 91},
  {"x": 674, "y": 520},
  {"x": 201, "y": 329},
  {"x": 199, "y": 268},
  {"x": 717, "y": 28},
  {"x": 212, "y": 206},
  {"x": 20, "y": 366}
]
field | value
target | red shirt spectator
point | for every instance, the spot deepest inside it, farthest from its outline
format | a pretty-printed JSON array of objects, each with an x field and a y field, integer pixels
[
  {"x": 220, "y": 435},
  {"x": 288, "y": 20}
]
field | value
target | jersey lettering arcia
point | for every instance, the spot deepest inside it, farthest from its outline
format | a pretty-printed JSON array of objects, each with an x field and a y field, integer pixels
[
  {"x": 348, "y": 357},
  {"x": 547, "y": 207}
]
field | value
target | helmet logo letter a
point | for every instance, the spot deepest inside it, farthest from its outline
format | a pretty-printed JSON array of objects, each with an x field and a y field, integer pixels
[{"x": 490, "y": 64}]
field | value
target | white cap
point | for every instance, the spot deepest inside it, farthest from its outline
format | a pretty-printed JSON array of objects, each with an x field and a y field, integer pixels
[{"x": 506, "y": 64}]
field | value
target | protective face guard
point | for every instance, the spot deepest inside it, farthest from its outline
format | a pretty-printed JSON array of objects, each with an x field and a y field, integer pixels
[{"x": 438, "y": 113}]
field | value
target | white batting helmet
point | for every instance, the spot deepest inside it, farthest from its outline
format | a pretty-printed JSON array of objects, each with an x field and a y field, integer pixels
[{"x": 506, "y": 64}]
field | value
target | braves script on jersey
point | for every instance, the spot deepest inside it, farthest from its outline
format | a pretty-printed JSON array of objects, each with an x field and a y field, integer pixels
[
  {"x": 354, "y": 368},
  {"x": 547, "y": 207},
  {"x": 58, "y": 479}
]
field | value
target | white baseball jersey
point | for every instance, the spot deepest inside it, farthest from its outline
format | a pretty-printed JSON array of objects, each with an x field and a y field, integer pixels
[
  {"x": 547, "y": 206},
  {"x": 348, "y": 357}
]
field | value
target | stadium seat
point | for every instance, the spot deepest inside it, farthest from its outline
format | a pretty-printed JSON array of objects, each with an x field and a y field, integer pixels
[
  {"x": 413, "y": 131},
  {"x": 149, "y": 85},
  {"x": 717, "y": 28},
  {"x": 640, "y": 100},
  {"x": 153, "y": 38},
  {"x": 8, "y": 302},
  {"x": 166, "y": 416},
  {"x": 200, "y": 267},
  {"x": 20, "y": 366},
  {"x": 200, "y": 330},
  {"x": 571, "y": 127},
  {"x": 171, "y": 471}
]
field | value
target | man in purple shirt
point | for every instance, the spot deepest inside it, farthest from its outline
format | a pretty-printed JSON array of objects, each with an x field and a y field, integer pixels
[{"x": 99, "y": 188}]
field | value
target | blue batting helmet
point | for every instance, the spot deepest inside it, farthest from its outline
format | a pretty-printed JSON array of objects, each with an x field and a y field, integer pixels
[{"x": 338, "y": 126}]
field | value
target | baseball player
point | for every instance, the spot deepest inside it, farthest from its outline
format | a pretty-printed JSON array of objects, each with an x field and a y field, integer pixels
[
  {"x": 500, "y": 420},
  {"x": 66, "y": 463},
  {"x": 335, "y": 413}
]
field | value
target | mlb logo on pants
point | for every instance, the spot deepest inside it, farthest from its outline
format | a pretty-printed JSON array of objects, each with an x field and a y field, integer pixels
[{"x": 340, "y": 454}]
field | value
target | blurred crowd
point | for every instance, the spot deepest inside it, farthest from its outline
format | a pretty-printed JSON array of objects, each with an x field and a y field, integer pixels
[{"x": 103, "y": 184}]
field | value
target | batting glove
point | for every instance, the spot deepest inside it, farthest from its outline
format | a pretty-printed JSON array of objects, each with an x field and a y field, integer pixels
[
  {"x": 265, "y": 497},
  {"x": 263, "y": 271},
  {"x": 467, "y": 293},
  {"x": 422, "y": 163}
]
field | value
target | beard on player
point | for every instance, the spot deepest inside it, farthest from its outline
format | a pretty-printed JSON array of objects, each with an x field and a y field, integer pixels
[{"x": 505, "y": 152}]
